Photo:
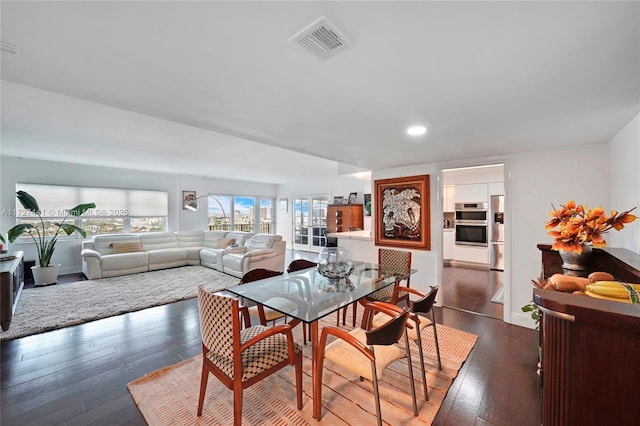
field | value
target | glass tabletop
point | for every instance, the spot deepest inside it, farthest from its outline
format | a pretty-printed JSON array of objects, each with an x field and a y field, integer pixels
[{"x": 308, "y": 296}]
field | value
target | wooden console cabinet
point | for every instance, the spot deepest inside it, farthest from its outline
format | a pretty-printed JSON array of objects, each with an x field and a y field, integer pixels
[
  {"x": 343, "y": 217},
  {"x": 11, "y": 283},
  {"x": 590, "y": 372}
]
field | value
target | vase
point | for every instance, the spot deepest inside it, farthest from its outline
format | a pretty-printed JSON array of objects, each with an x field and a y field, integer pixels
[{"x": 578, "y": 262}]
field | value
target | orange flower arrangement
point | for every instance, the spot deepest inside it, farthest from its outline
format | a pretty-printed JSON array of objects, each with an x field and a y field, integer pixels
[{"x": 577, "y": 226}]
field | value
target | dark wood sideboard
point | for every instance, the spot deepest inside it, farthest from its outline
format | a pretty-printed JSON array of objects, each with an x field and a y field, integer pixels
[
  {"x": 590, "y": 348},
  {"x": 11, "y": 283}
]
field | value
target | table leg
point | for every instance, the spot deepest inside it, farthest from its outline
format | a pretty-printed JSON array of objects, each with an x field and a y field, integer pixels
[{"x": 315, "y": 374}]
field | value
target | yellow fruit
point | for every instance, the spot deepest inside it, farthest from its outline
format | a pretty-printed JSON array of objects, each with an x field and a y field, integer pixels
[
  {"x": 614, "y": 284},
  {"x": 599, "y": 296},
  {"x": 612, "y": 291}
]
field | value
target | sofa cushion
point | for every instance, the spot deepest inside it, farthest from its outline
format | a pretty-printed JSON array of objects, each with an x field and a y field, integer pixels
[
  {"x": 120, "y": 247},
  {"x": 158, "y": 240},
  {"x": 211, "y": 238},
  {"x": 167, "y": 258},
  {"x": 225, "y": 242},
  {"x": 190, "y": 238},
  {"x": 262, "y": 241},
  {"x": 125, "y": 261},
  {"x": 103, "y": 244}
]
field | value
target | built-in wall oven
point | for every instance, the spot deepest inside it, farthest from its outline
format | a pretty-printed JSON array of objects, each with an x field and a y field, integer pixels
[{"x": 471, "y": 224}]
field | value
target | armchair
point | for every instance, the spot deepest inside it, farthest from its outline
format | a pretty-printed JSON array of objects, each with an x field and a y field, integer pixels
[{"x": 260, "y": 251}]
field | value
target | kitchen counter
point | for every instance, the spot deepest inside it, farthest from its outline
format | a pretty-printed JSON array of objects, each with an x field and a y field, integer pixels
[
  {"x": 359, "y": 243},
  {"x": 352, "y": 235}
]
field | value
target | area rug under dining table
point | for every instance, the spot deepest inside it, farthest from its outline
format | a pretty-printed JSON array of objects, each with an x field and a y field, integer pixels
[{"x": 169, "y": 396}]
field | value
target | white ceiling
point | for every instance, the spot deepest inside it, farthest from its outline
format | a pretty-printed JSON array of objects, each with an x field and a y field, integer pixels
[{"x": 210, "y": 88}]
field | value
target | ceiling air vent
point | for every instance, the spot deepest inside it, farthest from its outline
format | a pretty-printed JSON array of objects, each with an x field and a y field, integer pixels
[{"x": 322, "y": 39}]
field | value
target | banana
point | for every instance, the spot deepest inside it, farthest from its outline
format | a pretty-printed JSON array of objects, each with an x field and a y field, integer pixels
[
  {"x": 599, "y": 296},
  {"x": 610, "y": 291},
  {"x": 614, "y": 284}
]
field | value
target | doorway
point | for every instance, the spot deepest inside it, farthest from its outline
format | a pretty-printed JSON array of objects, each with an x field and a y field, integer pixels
[
  {"x": 472, "y": 276},
  {"x": 310, "y": 222}
]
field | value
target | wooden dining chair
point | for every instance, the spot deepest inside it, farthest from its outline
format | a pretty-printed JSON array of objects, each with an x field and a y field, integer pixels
[
  {"x": 240, "y": 358},
  {"x": 395, "y": 259},
  {"x": 422, "y": 316},
  {"x": 298, "y": 265},
  {"x": 367, "y": 352},
  {"x": 266, "y": 314}
]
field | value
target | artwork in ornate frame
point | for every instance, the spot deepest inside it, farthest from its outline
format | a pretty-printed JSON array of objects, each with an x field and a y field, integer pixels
[{"x": 402, "y": 213}]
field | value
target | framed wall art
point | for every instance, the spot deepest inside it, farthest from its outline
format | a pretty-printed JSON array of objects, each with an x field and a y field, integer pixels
[
  {"x": 284, "y": 204},
  {"x": 352, "y": 198},
  {"x": 402, "y": 213},
  {"x": 187, "y": 198}
]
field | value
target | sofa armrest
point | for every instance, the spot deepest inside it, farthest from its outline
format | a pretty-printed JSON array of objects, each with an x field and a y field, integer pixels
[
  {"x": 86, "y": 253},
  {"x": 92, "y": 266},
  {"x": 234, "y": 250}
]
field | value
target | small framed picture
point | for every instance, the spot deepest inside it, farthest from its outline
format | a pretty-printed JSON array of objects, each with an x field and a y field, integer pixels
[
  {"x": 338, "y": 200},
  {"x": 284, "y": 204},
  {"x": 352, "y": 197},
  {"x": 188, "y": 199}
]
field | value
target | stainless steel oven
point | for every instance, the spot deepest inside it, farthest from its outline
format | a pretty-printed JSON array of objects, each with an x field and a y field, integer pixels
[{"x": 471, "y": 224}]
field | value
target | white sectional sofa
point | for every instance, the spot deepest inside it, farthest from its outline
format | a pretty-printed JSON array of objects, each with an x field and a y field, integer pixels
[{"x": 113, "y": 255}]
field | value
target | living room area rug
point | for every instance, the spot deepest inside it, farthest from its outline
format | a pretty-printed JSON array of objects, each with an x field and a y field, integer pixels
[
  {"x": 47, "y": 308},
  {"x": 169, "y": 396}
]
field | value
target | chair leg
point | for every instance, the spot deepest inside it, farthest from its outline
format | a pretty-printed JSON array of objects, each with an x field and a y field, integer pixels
[
  {"x": 237, "y": 403},
  {"x": 355, "y": 313},
  {"x": 424, "y": 374},
  {"x": 413, "y": 385},
  {"x": 298, "y": 368},
  {"x": 435, "y": 338},
  {"x": 203, "y": 388},
  {"x": 376, "y": 392}
]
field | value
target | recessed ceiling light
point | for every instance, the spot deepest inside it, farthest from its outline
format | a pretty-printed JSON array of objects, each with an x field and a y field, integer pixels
[{"x": 416, "y": 130}]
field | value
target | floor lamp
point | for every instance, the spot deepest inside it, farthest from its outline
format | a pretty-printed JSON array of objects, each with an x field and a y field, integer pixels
[{"x": 193, "y": 205}]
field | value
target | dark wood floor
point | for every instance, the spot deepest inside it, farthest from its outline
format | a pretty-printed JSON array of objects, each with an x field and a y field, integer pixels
[
  {"x": 471, "y": 290},
  {"x": 78, "y": 375}
]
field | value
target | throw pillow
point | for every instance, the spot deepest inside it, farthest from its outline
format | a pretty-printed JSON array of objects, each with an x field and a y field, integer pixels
[
  {"x": 127, "y": 247},
  {"x": 225, "y": 242}
]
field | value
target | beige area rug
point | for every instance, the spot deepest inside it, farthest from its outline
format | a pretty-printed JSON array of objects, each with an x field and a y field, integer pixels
[
  {"x": 62, "y": 305},
  {"x": 169, "y": 396}
]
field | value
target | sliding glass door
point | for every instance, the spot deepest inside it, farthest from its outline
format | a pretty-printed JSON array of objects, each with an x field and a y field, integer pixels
[{"x": 310, "y": 222}]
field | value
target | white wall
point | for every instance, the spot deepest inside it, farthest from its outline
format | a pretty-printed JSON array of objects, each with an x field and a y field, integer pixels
[
  {"x": 624, "y": 155},
  {"x": 48, "y": 172}
]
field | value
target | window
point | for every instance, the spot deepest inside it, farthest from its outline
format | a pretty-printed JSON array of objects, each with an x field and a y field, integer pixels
[
  {"x": 117, "y": 210},
  {"x": 241, "y": 213}
]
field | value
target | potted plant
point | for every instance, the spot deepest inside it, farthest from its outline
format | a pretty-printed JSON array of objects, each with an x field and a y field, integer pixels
[{"x": 44, "y": 272}]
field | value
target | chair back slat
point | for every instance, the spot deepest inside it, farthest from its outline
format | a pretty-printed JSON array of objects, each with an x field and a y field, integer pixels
[
  {"x": 216, "y": 322},
  {"x": 425, "y": 304},
  {"x": 299, "y": 264},
  {"x": 390, "y": 332},
  {"x": 258, "y": 274}
]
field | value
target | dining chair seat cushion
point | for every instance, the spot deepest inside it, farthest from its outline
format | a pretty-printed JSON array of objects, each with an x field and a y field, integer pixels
[
  {"x": 381, "y": 318},
  {"x": 344, "y": 354},
  {"x": 282, "y": 304},
  {"x": 257, "y": 358}
]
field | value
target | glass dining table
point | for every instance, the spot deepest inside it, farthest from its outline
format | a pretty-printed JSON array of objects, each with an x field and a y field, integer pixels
[{"x": 306, "y": 296}]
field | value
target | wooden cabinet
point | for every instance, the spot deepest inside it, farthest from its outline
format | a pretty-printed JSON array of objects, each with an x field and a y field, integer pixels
[
  {"x": 589, "y": 369},
  {"x": 11, "y": 283},
  {"x": 344, "y": 217}
]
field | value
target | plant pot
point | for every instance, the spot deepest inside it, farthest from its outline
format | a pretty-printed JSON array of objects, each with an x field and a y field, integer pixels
[{"x": 45, "y": 275}]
